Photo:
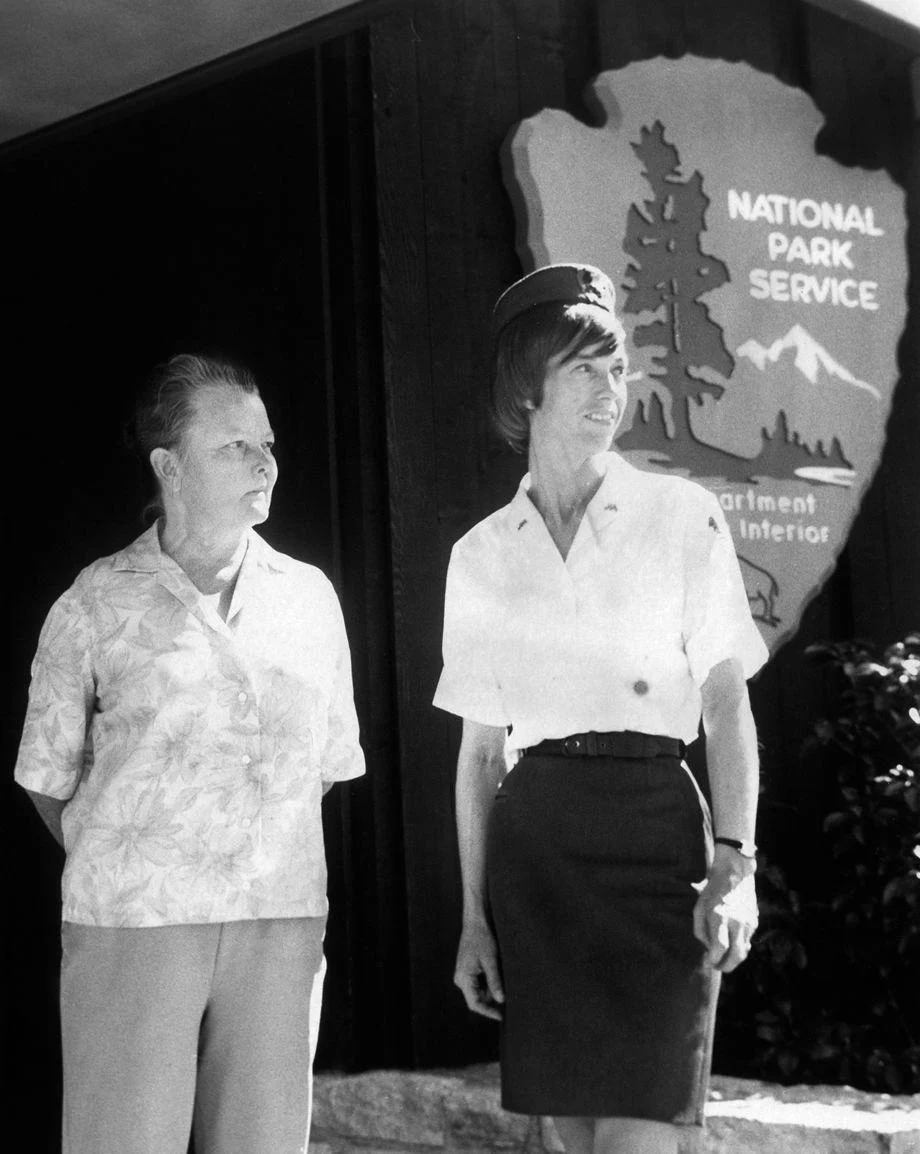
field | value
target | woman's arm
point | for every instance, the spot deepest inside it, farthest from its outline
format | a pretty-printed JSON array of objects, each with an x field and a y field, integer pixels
[
  {"x": 49, "y": 810},
  {"x": 726, "y": 910},
  {"x": 480, "y": 768}
]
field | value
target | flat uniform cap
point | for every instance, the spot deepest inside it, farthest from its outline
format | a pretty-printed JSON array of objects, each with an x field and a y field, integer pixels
[{"x": 565, "y": 284}]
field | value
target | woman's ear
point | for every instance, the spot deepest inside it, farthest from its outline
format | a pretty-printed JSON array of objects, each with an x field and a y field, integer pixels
[{"x": 165, "y": 465}]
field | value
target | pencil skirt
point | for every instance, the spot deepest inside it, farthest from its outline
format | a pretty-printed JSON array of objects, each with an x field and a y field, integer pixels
[{"x": 610, "y": 1002}]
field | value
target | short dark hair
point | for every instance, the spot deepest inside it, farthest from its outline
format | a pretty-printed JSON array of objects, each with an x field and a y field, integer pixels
[
  {"x": 524, "y": 348},
  {"x": 165, "y": 406}
]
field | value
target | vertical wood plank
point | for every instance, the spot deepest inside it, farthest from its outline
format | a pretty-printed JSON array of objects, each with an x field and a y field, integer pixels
[
  {"x": 437, "y": 143},
  {"x": 405, "y": 272},
  {"x": 634, "y": 30},
  {"x": 388, "y": 995},
  {"x": 367, "y": 941},
  {"x": 902, "y": 478},
  {"x": 861, "y": 83}
]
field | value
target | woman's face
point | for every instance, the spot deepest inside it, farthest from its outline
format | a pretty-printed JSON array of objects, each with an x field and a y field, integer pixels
[
  {"x": 226, "y": 467},
  {"x": 584, "y": 400}
]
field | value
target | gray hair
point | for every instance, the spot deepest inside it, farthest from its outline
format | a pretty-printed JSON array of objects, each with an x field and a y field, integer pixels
[{"x": 166, "y": 405}]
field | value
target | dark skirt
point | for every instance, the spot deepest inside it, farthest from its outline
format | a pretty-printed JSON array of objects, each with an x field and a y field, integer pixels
[{"x": 610, "y": 1004}]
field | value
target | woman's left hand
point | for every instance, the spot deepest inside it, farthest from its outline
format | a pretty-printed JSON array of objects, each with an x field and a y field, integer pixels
[{"x": 725, "y": 914}]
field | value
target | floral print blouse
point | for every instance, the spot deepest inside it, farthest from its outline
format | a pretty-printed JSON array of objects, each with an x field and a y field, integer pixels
[{"x": 192, "y": 752}]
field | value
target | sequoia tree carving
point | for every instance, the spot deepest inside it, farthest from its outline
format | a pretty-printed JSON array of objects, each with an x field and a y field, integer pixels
[
  {"x": 669, "y": 273},
  {"x": 667, "y": 276}
]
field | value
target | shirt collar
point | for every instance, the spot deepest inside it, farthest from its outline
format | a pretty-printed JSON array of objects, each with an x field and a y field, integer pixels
[
  {"x": 259, "y": 559},
  {"x": 144, "y": 555},
  {"x": 609, "y": 500},
  {"x": 263, "y": 556}
]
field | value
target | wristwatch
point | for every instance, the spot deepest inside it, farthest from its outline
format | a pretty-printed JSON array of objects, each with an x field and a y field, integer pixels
[{"x": 745, "y": 848}]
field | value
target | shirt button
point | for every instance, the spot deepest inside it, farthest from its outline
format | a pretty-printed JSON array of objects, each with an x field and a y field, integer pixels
[
  {"x": 247, "y": 760},
  {"x": 640, "y": 687},
  {"x": 241, "y": 697},
  {"x": 246, "y": 822}
]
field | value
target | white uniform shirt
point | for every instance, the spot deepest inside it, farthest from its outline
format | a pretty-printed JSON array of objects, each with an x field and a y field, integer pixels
[
  {"x": 619, "y": 636},
  {"x": 191, "y": 752}
]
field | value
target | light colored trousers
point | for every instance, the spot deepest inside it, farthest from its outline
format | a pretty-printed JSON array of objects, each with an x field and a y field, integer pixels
[{"x": 174, "y": 1027}]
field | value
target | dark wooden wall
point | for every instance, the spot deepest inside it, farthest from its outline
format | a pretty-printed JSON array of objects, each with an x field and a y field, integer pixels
[{"x": 451, "y": 79}]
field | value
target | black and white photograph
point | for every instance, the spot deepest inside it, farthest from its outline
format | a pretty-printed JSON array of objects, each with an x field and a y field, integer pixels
[{"x": 462, "y": 633}]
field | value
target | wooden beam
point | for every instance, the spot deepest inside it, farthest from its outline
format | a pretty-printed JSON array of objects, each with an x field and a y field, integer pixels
[{"x": 899, "y": 20}]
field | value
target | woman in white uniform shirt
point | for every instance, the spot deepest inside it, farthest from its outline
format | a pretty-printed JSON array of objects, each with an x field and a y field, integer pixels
[{"x": 589, "y": 624}]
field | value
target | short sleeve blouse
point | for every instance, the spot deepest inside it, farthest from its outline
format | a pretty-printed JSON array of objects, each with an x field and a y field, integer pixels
[
  {"x": 192, "y": 752},
  {"x": 621, "y": 635}
]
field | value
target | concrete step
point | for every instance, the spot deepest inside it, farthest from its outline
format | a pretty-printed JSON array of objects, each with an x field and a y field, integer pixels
[{"x": 458, "y": 1112}]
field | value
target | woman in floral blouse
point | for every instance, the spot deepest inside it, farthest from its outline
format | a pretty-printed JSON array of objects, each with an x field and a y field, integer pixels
[{"x": 191, "y": 702}]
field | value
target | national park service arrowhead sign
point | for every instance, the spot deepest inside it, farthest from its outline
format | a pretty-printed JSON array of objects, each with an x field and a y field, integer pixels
[{"x": 762, "y": 287}]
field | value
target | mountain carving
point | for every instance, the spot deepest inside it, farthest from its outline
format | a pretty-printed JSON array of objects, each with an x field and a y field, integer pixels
[{"x": 812, "y": 360}]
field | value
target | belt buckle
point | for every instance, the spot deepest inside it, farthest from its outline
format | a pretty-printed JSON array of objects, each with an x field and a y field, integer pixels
[{"x": 573, "y": 746}]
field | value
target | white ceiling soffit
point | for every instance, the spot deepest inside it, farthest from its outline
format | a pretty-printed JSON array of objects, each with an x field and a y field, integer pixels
[{"x": 59, "y": 58}]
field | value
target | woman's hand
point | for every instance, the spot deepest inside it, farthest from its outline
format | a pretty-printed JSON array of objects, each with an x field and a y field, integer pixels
[
  {"x": 725, "y": 914},
  {"x": 477, "y": 971}
]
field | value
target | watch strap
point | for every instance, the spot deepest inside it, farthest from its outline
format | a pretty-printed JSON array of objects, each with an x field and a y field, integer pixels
[{"x": 745, "y": 848}]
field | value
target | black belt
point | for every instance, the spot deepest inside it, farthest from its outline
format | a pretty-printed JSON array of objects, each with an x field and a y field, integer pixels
[{"x": 626, "y": 744}]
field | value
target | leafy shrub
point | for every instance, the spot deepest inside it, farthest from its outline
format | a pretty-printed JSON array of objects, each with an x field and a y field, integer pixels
[{"x": 832, "y": 986}]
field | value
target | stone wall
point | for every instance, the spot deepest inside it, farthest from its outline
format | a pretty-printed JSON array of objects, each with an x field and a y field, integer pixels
[{"x": 458, "y": 1112}]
